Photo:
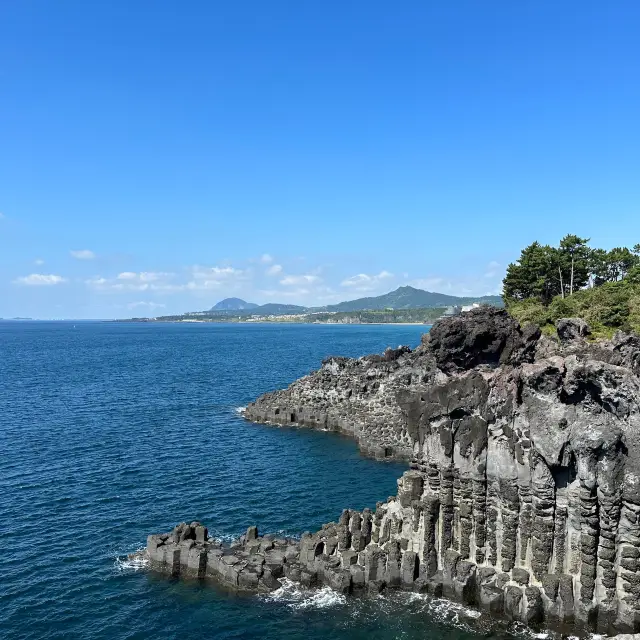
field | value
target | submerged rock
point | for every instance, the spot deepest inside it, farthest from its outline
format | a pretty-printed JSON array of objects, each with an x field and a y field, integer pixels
[{"x": 523, "y": 496}]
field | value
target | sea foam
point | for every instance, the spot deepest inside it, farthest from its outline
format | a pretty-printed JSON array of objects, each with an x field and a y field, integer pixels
[
  {"x": 132, "y": 562},
  {"x": 296, "y": 597}
]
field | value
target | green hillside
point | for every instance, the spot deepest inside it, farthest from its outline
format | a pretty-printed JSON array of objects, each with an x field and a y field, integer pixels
[{"x": 412, "y": 298}]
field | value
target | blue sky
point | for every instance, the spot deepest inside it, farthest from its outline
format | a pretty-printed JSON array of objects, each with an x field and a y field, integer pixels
[{"x": 156, "y": 157}]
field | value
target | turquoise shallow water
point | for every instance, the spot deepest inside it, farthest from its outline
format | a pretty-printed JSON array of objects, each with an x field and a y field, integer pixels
[{"x": 109, "y": 432}]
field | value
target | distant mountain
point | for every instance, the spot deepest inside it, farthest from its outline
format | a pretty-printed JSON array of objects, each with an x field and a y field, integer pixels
[
  {"x": 411, "y": 298},
  {"x": 402, "y": 298},
  {"x": 231, "y": 307},
  {"x": 233, "y": 304}
]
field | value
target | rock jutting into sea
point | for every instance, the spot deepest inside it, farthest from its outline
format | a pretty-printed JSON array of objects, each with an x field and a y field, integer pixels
[{"x": 523, "y": 496}]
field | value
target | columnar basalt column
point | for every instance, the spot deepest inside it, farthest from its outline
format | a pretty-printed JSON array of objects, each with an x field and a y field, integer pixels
[
  {"x": 430, "y": 549},
  {"x": 446, "y": 509},
  {"x": 466, "y": 516},
  {"x": 589, "y": 532},
  {"x": 628, "y": 560},
  {"x": 510, "y": 509},
  {"x": 543, "y": 518}
]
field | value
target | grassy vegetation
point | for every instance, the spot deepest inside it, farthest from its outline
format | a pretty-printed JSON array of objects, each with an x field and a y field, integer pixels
[{"x": 607, "y": 308}]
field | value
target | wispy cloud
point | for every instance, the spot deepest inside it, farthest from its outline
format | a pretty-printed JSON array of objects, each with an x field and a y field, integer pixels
[
  {"x": 83, "y": 254},
  {"x": 274, "y": 270},
  {"x": 144, "y": 276},
  {"x": 40, "y": 280},
  {"x": 38, "y": 262},
  {"x": 219, "y": 273},
  {"x": 266, "y": 258},
  {"x": 205, "y": 278},
  {"x": 147, "y": 305},
  {"x": 365, "y": 282},
  {"x": 196, "y": 278},
  {"x": 293, "y": 281},
  {"x": 134, "y": 281}
]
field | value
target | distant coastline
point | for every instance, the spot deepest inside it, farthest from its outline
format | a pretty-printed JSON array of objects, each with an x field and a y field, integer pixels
[
  {"x": 264, "y": 321},
  {"x": 405, "y": 305},
  {"x": 398, "y": 317}
]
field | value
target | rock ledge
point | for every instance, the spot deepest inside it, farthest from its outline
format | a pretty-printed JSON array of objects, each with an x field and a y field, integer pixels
[{"x": 523, "y": 496}]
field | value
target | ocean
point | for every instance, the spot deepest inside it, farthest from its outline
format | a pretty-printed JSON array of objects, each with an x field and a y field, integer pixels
[{"x": 112, "y": 431}]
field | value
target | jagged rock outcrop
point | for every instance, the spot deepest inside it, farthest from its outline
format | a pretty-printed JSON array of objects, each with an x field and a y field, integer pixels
[{"x": 523, "y": 496}]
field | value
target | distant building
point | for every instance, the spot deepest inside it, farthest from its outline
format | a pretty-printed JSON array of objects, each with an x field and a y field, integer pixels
[{"x": 452, "y": 311}]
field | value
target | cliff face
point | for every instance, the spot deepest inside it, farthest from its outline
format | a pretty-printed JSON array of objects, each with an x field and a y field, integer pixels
[{"x": 524, "y": 490}]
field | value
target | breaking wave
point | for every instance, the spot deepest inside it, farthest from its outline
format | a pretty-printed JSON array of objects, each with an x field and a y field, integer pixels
[
  {"x": 297, "y": 597},
  {"x": 217, "y": 536},
  {"x": 131, "y": 562},
  {"x": 445, "y": 611}
]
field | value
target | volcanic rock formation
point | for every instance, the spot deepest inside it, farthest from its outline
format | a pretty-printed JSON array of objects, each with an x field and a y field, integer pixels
[{"x": 523, "y": 496}]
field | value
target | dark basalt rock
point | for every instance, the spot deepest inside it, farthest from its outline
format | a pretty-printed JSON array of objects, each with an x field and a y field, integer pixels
[
  {"x": 572, "y": 329},
  {"x": 483, "y": 336},
  {"x": 523, "y": 496}
]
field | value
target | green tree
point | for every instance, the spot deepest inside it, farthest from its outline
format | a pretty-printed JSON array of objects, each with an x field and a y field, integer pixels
[
  {"x": 598, "y": 267},
  {"x": 621, "y": 261},
  {"x": 614, "y": 265},
  {"x": 534, "y": 275},
  {"x": 574, "y": 260}
]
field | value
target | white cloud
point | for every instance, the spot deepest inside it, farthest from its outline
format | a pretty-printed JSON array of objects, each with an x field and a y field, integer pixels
[
  {"x": 133, "y": 281},
  {"x": 292, "y": 281},
  {"x": 217, "y": 273},
  {"x": 196, "y": 278},
  {"x": 274, "y": 270},
  {"x": 148, "y": 305},
  {"x": 127, "y": 275},
  {"x": 365, "y": 282},
  {"x": 203, "y": 285},
  {"x": 144, "y": 276},
  {"x": 40, "y": 280},
  {"x": 205, "y": 278},
  {"x": 39, "y": 262},
  {"x": 266, "y": 258},
  {"x": 96, "y": 282},
  {"x": 83, "y": 254}
]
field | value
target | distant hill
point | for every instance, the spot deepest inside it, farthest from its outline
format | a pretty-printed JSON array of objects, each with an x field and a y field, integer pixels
[
  {"x": 403, "y": 298},
  {"x": 412, "y": 298},
  {"x": 233, "y": 304},
  {"x": 231, "y": 307}
]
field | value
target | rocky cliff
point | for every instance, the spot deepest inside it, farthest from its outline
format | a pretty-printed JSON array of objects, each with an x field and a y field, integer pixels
[{"x": 524, "y": 490}]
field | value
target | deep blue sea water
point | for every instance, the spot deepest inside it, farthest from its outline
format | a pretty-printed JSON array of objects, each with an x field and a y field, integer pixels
[{"x": 111, "y": 431}]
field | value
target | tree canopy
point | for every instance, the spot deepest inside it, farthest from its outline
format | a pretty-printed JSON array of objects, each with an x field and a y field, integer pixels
[
  {"x": 543, "y": 271},
  {"x": 602, "y": 286}
]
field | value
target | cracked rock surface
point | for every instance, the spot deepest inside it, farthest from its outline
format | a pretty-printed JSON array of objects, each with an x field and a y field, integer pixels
[{"x": 523, "y": 496}]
